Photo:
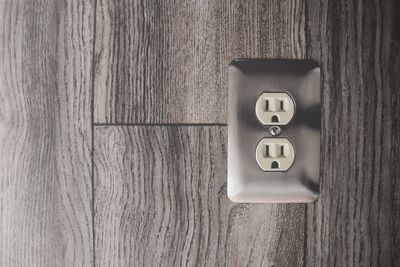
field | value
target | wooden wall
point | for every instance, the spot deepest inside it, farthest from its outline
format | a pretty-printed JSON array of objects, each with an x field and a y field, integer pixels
[{"x": 113, "y": 133}]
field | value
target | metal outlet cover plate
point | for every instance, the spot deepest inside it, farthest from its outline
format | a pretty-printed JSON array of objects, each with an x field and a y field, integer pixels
[{"x": 248, "y": 79}]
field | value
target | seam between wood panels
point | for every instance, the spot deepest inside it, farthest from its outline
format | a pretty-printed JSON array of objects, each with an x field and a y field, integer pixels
[
  {"x": 159, "y": 124},
  {"x": 305, "y": 236},
  {"x": 307, "y": 54},
  {"x": 306, "y": 30},
  {"x": 92, "y": 129}
]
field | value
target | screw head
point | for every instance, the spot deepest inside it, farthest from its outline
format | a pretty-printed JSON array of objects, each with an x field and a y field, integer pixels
[{"x": 275, "y": 130}]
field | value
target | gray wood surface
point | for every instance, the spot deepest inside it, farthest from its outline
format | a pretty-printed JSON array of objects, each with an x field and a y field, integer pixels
[
  {"x": 45, "y": 133},
  {"x": 160, "y": 199},
  {"x": 166, "y": 61},
  {"x": 160, "y": 191},
  {"x": 355, "y": 222}
]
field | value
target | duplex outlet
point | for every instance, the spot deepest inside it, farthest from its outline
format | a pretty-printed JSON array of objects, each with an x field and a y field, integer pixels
[
  {"x": 275, "y": 154},
  {"x": 275, "y": 108},
  {"x": 273, "y": 131}
]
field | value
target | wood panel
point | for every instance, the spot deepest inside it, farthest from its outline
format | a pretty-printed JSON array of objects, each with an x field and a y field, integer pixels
[
  {"x": 355, "y": 222},
  {"x": 45, "y": 133},
  {"x": 160, "y": 199},
  {"x": 165, "y": 61}
]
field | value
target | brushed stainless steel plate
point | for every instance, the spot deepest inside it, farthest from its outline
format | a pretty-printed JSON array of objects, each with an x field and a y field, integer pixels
[{"x": 248, "y": 79}]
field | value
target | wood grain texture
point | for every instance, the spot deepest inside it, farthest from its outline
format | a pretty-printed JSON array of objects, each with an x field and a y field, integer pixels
[
  {"x": 165, "y": 61},
  {"x": 355, "y": 222},
  {"x": 45, "y": 133},
  {"x": 160, "y": 199}
]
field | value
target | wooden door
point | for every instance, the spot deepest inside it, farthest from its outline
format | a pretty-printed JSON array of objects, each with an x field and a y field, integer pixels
[{"x": 113, "y": 133}]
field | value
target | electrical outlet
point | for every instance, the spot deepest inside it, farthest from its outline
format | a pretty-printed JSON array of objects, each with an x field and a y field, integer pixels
[
  {"x": 275, "y": 154},
  {"x": 275, "y": 108},
  {"x": 273, "y": 131}
]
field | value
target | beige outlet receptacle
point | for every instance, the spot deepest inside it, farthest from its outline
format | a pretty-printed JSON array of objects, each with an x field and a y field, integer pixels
[
  {"x": 275, "y": 154},
  {"x": 275, "y": 108}
]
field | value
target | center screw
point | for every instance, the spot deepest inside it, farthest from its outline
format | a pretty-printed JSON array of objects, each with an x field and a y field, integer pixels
[{"x": 275, "y": 130}]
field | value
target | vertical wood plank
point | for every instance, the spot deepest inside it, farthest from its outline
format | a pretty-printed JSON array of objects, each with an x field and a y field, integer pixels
[
  {"x": 45, "y": 133},
  {"x": 355, "y": 220},
  {"x": 166, "y": 61},
  {"x": 161, "y": 200}
]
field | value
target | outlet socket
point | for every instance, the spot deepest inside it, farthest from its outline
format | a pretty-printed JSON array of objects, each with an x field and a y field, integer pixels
[
  {"x": 275, "y": 154},
  {"x": 275, "y": 108}
]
